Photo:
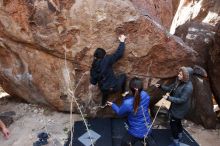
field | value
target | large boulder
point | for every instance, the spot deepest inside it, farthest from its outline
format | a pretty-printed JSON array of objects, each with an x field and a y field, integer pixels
[
  {"x": 201, "y": 11},
  {"x": 46, "y": 48},
  {"x": 159, "y": 10},
  {"x": 204, "y": 39},
  {"x": 214, "y": 65},
  {"x": 199, "y": 36},
  {"x": 196, "y": 23},
  {"x": 201, "y": 111}
]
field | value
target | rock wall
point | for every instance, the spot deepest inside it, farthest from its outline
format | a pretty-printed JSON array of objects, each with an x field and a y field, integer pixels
[
  {"x": 159, "y": 10},
  {"x": 201, "y": 11},
  {"x": 196, "y": 22},
  {"x": 204, "y": 39},
  {"x": 214, "y": 65},
  {"x": 46, "y": 46},
  {"x": 201, "y": 111},
  {"x": 199, "y": 36}
]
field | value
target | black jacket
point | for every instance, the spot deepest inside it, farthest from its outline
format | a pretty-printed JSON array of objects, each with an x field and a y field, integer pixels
[
  {"x": 180, "y": 98},
  {"x": 102, "y": 72}
]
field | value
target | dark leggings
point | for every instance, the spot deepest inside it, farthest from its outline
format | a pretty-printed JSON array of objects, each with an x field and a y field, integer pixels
[
  {"x": 105, "y": 94},
  {"x": 121, "y": 83},
  {"x": 129, "y": 140},
  {"x": 120, "y": 86},
  {"x": 176, "y": 127}
]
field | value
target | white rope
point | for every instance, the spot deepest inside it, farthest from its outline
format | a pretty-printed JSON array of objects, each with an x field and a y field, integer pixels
[
  {"x": 149, "y": 128},
  {"x": 72, "y": 93},
  {"x": 83, "y": 119},
  {"x": 155, "y": 118},
  {"x": 146, "y": 123},
  {"x": 71, "y": 105}
]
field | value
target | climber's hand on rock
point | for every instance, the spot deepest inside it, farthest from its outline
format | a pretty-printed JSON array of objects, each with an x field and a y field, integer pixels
[{"x": 122, "y": 38}]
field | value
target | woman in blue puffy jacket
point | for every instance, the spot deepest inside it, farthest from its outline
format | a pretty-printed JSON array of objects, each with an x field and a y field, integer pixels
[{"x": 135, "y": 106}]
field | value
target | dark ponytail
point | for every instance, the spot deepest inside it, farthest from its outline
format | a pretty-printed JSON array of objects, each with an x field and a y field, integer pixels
[
  {"x": 137, "y": 98},
  {"x": 136, "y": 86}
]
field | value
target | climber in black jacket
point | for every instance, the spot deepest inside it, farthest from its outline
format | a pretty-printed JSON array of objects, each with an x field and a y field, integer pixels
[{"x": 102, "y": 73}]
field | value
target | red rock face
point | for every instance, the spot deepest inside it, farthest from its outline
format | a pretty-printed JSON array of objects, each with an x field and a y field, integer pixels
[
  {"x": 37, "y": 36},
  {"x": 159, "y": 10}
]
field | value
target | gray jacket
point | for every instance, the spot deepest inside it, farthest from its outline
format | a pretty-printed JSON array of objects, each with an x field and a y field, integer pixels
[{"x": 179, "y": 97}]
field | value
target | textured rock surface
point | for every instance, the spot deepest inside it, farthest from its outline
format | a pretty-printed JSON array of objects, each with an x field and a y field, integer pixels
[
  {"x": 214, "y": 65},
  {"x": 159, "y": 10},
  {"x": 198, "y": 36},
  {"x": 201, "y": 11},
  {"x": 37, "y": 35},
  {"x": 196, "y": 23},
  {"x": 201, "y": 111},
  {"x": 201, "y": 33}
]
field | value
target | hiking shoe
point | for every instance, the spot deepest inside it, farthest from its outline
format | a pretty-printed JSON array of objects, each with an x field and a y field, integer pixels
[
  {"x": 43, "y": 135},
  {"x": 40, "y": 143}
]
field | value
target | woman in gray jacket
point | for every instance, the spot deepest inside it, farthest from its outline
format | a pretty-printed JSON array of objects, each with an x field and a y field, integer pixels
[{"x": 178, "y": 94}]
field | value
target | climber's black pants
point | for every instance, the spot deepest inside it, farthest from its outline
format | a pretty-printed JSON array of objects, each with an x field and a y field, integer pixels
[{"x": 119, "y": 87}]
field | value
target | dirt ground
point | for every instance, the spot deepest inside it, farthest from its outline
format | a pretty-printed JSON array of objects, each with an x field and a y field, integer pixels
[{"x": 32, "y": 119}]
